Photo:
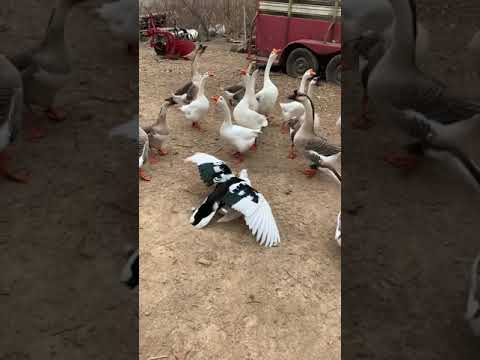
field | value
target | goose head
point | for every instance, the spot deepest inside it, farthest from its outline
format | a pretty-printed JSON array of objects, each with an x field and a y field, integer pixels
[
  {"x": 311, "y": 73},
  {"x": 275, "y": 52},
  {"x": 298, "y": 96},
  {"x": 219, "y": 100}
]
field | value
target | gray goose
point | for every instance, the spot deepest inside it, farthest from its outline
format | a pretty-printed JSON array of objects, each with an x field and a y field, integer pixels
[
  {"x": 305, "y": 139},
  {"x": 188, "y": 92},
  {"x": 295, "y": 123},
  {"x": 11, "y": 108},
  {"x": 158, "y": 132},
  {"x": 46, "y": 68},
  {"x": 418, "y": 104}
]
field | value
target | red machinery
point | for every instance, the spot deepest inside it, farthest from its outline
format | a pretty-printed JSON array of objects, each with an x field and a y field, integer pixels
[
  {"x": 165, "y": 43},
  {"x": 307, "y": 31}
]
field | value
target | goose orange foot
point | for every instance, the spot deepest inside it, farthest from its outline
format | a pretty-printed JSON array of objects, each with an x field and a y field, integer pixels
[
  {"x": 55, "y": 114},
  {"x": 196, "y": 125},
  {"x": 162, "y": 152},
  {"x": 4, "y": 172},
  {"x": 406, "y": 162},
  {"x": 310, "y": 172},
  {"x": 238, "y": 157},
  {"x": 142, "y": 175}
]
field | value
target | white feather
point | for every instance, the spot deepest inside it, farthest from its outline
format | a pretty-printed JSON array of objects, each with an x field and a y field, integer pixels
[{"x": 259, "y": 219}]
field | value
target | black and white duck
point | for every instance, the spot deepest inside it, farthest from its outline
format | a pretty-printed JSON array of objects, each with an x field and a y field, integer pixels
[{"x": 237, "y": 194}]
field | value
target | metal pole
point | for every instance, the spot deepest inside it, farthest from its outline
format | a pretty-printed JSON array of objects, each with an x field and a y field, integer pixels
[{"x": 244, "y": 24}]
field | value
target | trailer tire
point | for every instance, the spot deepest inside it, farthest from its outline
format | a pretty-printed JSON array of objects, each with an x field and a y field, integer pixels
[
  {"x": 333, "y": 72},
  {"x": 300, "y": 60}
]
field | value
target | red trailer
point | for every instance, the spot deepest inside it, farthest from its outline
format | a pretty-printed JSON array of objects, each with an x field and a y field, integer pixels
[{"x": 307, "y": 31}]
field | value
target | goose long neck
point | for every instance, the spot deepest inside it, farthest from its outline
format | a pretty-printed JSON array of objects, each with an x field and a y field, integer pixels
[
  {"x": 201, "y": 87},
  {"x": 266, "y": 76},
  {"x": 250, "y": 88},
  {"x": 404, "y": 29},
  {"x": 227, "y": 117},
  {"x": 310, "y": 88},
  {"x": 195, "y": 63},
  {"x": 308, "y": 123},
  {"x": 301, "y": 88},
  {"x": 162, "y": 116}
]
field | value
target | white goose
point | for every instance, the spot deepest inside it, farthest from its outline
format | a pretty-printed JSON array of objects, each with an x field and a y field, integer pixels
[
  {"x": 11, "y": 107},
  {"x": 122, "y": 18},
  {"x": 239, "y": 137},
  {"x": 417, "y": 103},
  {"x": 294, "y": 109},
  {"x": 198, "y": 108},
  {"x": 243, "y": 113},
  {"x": 267, "y": 97},
  {"x": 235, "y": 93}
]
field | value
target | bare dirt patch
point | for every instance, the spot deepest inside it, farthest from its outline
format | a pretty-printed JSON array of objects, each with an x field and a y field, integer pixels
[{"x": 215, "y": 293}]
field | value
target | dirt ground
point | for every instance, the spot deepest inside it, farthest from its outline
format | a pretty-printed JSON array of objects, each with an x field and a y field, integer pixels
[{"x": 215, "y": 293}]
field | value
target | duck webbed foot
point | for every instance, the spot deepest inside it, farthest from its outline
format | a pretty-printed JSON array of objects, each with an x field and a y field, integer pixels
[{"x": 311, "y": 171}]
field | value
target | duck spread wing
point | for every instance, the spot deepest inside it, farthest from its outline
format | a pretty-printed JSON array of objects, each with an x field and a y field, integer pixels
[
  {"x": 256, "y": 210},
  {"x": 211, "y": 169}
]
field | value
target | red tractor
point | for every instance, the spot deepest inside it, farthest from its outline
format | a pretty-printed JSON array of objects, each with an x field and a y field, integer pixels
[{"x": 172, "y": 43}]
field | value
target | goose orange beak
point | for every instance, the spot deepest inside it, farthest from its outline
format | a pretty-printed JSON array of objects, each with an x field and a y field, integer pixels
[
  {"x": 312, "y": 73},
  {"x": 215, "y": 98},
  {"x": 276, "y": 51}
]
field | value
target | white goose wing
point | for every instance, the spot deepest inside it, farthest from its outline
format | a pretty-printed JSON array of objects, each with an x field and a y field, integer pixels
[
  {"x": 211, "y": 169},
  {"x": 256, "y": 210}
]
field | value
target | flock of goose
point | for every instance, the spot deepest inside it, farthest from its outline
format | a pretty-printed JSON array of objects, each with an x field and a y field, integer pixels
[{"x": 240, "y": 129}]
